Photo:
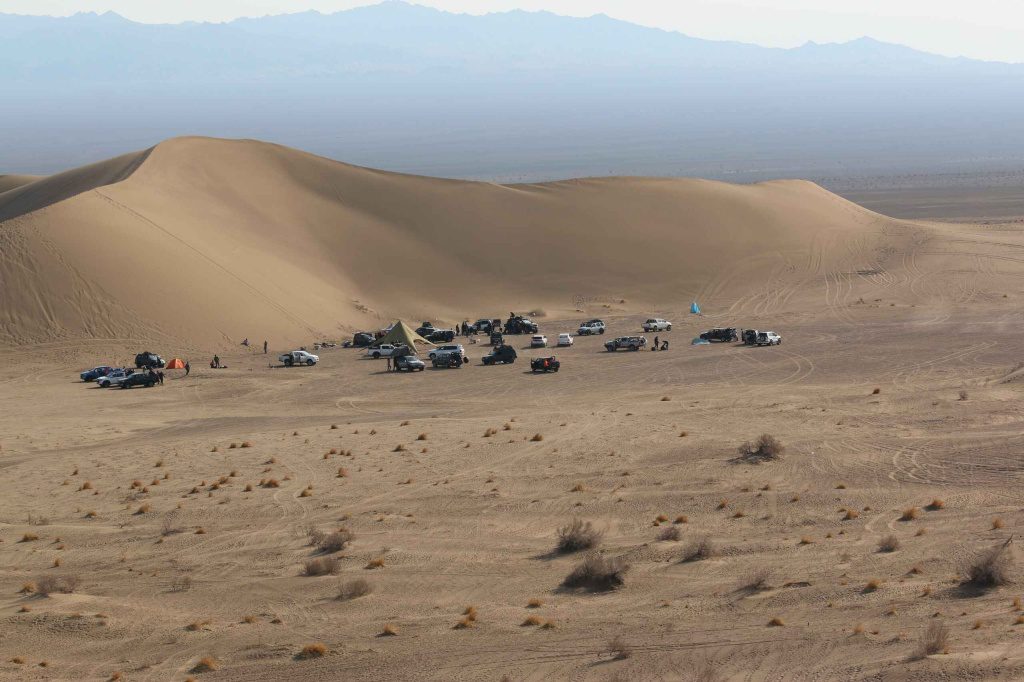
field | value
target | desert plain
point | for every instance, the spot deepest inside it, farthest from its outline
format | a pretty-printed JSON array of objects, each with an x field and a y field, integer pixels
[{"x": 167, "y": 533}]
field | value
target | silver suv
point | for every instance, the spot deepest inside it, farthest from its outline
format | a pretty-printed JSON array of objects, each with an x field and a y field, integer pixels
[
  {"x": 591, "y": 327},
  {"x": 449, "y": 349}
]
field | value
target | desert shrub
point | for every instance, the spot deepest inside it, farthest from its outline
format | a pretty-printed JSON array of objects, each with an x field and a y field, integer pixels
[
  {"x": 49, "y": 584},
  {"x": 376, "y": 563},
  {"x": 935, "y": 640},
  {"x": 206, "y": 664},
  {"x": 991, "y": 567},
  {"x": 776, "y": 622},
  {"x": 998, "y": 523},
  {"x": 701, "y": 548},
  {"x": 597, "y": 573},
  {"x": 682, "y": 518},
  {"x": 935, "y": 505},
  {"x": 910, "y": 513},
  {"x": 670, "y": 534},
  {"x": 389, "y": 631},
  {"x": 756, "y": 581},
  {"x": 537, "y": 438},
  {"x": 890, "y": 543},
  {"x": 962, "y": 395},
  {"x": 577, "y": 535},
  {"x": 618, "y": 648},
  {"x": 766, "y": 448},
  {"x": 336, "y": 541},
  {"x": 321, "y": 566},
  {"x": 531, "y": 620},
  {"x": 873, "y": 585},
  {"x": 535, "y": 603},
  {"x": 29, "y": 537},
  {"x": 353, "y": 589},
  {"x": 315, "y": 650}
]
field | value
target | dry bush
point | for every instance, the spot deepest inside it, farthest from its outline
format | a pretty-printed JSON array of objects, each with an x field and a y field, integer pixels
[
  {"x": 701, "y": 548},
  {"x": 578, "y": 488},
  {"x": 665, "y": 398},
  {"x": 537, "y": 438},
  {"x": 270, "y": 483},
  {"x": 490, "y": 432},
  {"x": 776, "y": 622},
  {"x": 342, "y": 472},
  {"x": 464, "y": 624},
  {"x": 248, "y": 488},
  {"x": 757, "y": 581},
  {"x": 197, "y": 625},
  {"x": 389, "y": 631},
  {"x": 399, "y": 448},
  {"x": 661, "y": 518},
  {"x": 670, "y": 534},
  {"x": 682, "y": 518},
  {"x": 143, "y": 509},
  {"x": 246, "y": 444},
  {"x": 336, "y": 541},
  {"x": 577, "y": 535},
  {"x": 873, "y": 585},
  {"x": 315, "y": 650},
  {"x": 997, "y": 523},
  {"x": 935, "y": 640},
  {"x": 910, "y": 514},
  {"x": 86, "y": 486},
  {"x": 962, "y": 394},
  {"x": 876, "y": 391},
  {"x": 29, "y": 537},
  {"x": 765, "y": 449},
  {"x": 326, "y": 565},
  {"x": 535, "y": 603},
  {"x": 376, "y": 563},
  {"x": 597, "y": 573},
  {"x": 806, "y": 540},
  {"x": 851, "y": 514},
  {"x": 353, "y": 589},
  {"x": 890, "y": 543},
  {"x": 306, "y": 492},
  {"x": 618, "y": 648},
  {"x": 334, "y": 426},
  {"x": 169, "y": 527},
  {"x": 18, "y": 660},
  {"x": 531, "y": 620},
  {"x": 991, "y": 567},
  {"x": 249, "y": 620},
  {"x": 27, "y": 588},
  {"x": 935, "y": 505},
  {"x": 422, "y": 436},
  {"x": 200, "y": 531},
  {"x": 49, "y": 584},
  {"x": 205, "y": 665}
]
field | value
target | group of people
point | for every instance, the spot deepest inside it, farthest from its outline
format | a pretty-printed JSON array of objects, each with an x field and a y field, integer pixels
[
  {"x": 245, "y": 342},
  {"x": 664, "y": 344}
]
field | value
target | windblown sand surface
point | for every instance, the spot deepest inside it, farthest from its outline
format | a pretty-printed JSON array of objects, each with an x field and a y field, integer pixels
[{"x": 896, "y": 384}]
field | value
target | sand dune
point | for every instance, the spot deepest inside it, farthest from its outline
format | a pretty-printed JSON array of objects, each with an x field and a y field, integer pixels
[
  {"x": 9, "y": 182},
  {"x": 210, "y": 241}
]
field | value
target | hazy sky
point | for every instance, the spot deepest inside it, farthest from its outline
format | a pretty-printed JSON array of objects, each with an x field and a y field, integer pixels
[{"x": 983, "y": 29}]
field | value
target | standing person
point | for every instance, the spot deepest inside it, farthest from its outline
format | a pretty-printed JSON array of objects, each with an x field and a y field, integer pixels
[
  {"x": 160, "y": 376},
  {"x": 188, "y": 368},
  {"x": 264, "y": 347},
  {"x": 216, "y": 361},
  {"x": 655, "y": 343},
  {"x": 389, "y": 363}
]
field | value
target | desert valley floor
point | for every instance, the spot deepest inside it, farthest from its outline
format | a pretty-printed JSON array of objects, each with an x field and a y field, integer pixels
[{"x": 171, "y": 526}]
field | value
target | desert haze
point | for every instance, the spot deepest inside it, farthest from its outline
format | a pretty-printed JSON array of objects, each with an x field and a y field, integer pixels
[{"x": 835, "y": 507}]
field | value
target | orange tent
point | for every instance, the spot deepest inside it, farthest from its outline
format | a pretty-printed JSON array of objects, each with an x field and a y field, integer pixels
[{"x": 176, "y": 363}]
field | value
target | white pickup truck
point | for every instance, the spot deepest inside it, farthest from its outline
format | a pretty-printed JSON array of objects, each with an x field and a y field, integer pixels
[
  {"x": 656, "y": 324},
  {"x": 384, "y": 350},
  {"x": 299, "y": 357}
]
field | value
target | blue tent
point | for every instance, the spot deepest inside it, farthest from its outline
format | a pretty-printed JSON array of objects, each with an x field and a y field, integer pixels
[
  {"x": 700, "y": 342},
  {"x": 694, "y": 308}
]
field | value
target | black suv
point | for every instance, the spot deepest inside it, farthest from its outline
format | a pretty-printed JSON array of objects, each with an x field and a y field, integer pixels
[
  {"x": 723, "y": 334},
  {"x": 500, "y": 356},
  {"x": 147, "y": 360}
]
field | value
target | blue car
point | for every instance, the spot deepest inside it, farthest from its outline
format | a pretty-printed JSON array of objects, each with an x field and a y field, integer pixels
[{"x": 95, "y": 373}]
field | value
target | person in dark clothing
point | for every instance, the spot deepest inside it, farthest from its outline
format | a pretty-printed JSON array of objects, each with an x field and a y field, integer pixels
[
  {"x": 664, "y": 345},
  {"x": 160, "y": 377},
  {"x": 389, "y": 363},
  {"x": 188, "y": 368},
  {"x": 655, "y": 343},
  {"x": 264, "y": 347},
  {"x": 216, "y": 361}
]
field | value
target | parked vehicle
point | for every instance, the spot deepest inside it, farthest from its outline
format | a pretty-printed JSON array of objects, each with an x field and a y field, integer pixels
[
  {"x": 440, "y": 336},
  {"x": 565, "y": 339},
  {"x": 483, "y": 326},
  {"x": 362, "y": 339},
  {"x": 409, "y": 363},
  {"x": 456, "y": 348},
  {"x": 147, "y": 360},
  {"x": 425, "y": 329},
  {"x": 768, "y": 339},
  {"x": 749, "y": 337},
  {"x": 545, "y": 364},
  {"x": 385, "y": 350},
  {"x": 539, "y": 341},
  {"x": 518, "y": 324},
  {"x": 95, "y": 373},
  {"x": 723, "y": 334},
  {"x": 497, "y": 338},
  {"x": 591, "y": 327},
  {"x": 448, "y": 360},
  {"x": 656, "y": 324},
  {"x": 501, "y": 355},
  {"x": 114, "y": 377},
  {"x": 629, "y": 342},
  {"x": 299, "y": 357},
  {"x": 139, "y": 379}
]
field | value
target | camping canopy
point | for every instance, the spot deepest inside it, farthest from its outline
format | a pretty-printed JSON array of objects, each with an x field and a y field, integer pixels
[
  {"x": 176, "y": 363},
  {"x": 401, "y": 334},
  {"x": 694, "y": 308}
]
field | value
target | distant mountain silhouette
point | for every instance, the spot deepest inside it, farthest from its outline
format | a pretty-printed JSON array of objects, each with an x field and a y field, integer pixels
[{"x": 506, "y": 95}]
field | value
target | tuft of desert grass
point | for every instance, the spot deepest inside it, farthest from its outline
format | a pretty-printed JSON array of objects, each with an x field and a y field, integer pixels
[
  {"x": 306, "y": 492},
  {"x": 700, "y": 549},
  {"x": 144, "y": 509},
  {"x": 682, "y": 518},
  {"x": 990, "y": 568},
  {"x": 935, "y": 505},
  {"x": 597, "y": 573},
  {"x": 490, "y": 432},
  {"x": 535, "y": 603},
  {"x": 669, "y": 534},
  {"x": 270, "y": 483},
  {"x": 464, "y": 624},
  {"x": 531, "y": 621},
  {"x": 315, "y": 650},
  {"x": 876, "y": 391},
  {"x": 249, "y": 620},
  {"x": 29, "y": 537},
  {"x": 342, "y": 472},
  {"x": 86, "y": 486},
  {"x": 873, "y": 585},
  {"x": 723, "y": 503},
  {"x": 197, "y": 625},
  {"x": 765, "y": 448},
  {"x": 336, "y": 541},
  {"x": 910, "y": 514},
  {"x": 537, "y": 438},
  {"x": 806, "y": 540},
  {"x": 851, "y": 514},
  {"x": 757, "y": 581},
  {"x": 683, "y": 434},
  {"x": 376, "y": 563},
  {"x": 389, "y": 631},
  {"x": 998, "y": 523},
  {"x": 776, "y": 622},
  {"x": 205, "y": 665},
  {"x": 578, "y": 488},
  {"x": 618, "y": 648},
  {"x": 576, "y": 536},
  {"x": 353, "y": 589}
]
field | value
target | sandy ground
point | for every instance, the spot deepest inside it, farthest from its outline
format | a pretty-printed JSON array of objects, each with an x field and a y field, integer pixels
[{"x": 896, "y": 385}]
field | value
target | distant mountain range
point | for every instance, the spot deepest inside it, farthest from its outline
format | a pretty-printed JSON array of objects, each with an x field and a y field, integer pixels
[{"x": 506, "y": 95}]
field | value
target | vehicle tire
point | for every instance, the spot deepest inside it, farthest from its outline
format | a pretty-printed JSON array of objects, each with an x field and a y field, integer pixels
[
  {"x": 376, "y": 355},
  {"x": 668, "y": 328},
  {"x": 634, "y": 347},
  {"x": 310, "y": 363},
  {"x": 601, "y": 331}
]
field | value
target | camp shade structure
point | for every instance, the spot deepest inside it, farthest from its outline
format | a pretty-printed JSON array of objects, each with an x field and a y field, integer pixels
[
  {"x": 694, "y": 308},
  {"x": 176, "y": 363},
  {"x": 401, "y": 334}
]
